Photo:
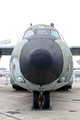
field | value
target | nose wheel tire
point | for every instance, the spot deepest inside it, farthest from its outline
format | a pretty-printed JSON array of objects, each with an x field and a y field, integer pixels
[
  {"x": 35, "y": 99},
  {"x": 46, "y": 97},
  {"x": 41, "y": 101}
]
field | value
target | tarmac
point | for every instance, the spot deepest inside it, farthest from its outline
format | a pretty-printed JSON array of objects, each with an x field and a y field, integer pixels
[{"x": 16, "y": 105}]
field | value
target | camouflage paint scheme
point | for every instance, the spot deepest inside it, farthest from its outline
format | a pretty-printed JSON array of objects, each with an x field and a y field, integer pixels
[
  {"x": 16, "y": 54},
  {"x": 67, "y": 71}
]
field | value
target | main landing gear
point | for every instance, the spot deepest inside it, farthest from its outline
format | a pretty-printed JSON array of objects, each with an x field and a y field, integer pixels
[
  {"x": 16, "y": 87},
  {"x": 67, "y": 87},
  {"x": 41, "y": 100}
]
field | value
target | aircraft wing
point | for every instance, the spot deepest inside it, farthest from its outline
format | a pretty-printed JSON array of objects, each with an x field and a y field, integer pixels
[
  {"x": 6, "y": 50},
  {"x": 75, "y": 50}
]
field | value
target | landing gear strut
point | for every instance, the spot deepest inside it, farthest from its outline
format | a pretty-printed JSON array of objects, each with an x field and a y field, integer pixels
[{"x": 41, "y": 100}]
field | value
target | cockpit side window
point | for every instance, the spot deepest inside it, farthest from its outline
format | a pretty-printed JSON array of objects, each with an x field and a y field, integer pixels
[
  {"x": 42, "y": 32},
  {"x": 55, "y": 34},
  {"x": 28, "y": 33}
]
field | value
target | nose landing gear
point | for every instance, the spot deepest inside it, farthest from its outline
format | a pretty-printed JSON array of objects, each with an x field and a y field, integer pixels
[{"x": 41, "y": 100}]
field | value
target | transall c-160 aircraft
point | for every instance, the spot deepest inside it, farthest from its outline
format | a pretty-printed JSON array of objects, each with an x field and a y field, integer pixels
[{"x": 41, "y": 62}]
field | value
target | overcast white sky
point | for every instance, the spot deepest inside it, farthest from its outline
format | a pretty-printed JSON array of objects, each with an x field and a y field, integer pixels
[{"x": 16, "y": 15}]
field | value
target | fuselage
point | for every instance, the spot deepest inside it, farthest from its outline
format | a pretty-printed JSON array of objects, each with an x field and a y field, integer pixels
[{"x": 41, "y": 61}]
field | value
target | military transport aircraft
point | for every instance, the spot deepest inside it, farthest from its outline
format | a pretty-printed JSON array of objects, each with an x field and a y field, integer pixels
[{"x": 41, "y": 62}]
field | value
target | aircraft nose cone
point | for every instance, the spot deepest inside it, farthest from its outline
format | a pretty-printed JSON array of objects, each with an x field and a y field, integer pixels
[{"x": 41, "y": 61}]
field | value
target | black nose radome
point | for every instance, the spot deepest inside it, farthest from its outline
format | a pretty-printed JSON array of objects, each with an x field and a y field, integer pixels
[{"x": 41, "y": 61}]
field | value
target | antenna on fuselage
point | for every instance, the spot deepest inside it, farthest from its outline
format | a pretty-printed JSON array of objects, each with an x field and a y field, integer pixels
[{"x": 52, "y": 24}]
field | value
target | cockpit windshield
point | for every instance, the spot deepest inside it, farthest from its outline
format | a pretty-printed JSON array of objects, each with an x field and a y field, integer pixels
[
  {"x": 54, "y": 33},
  {"x": 42, "y": 32},
  {"x": 28, "y": 33}
]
